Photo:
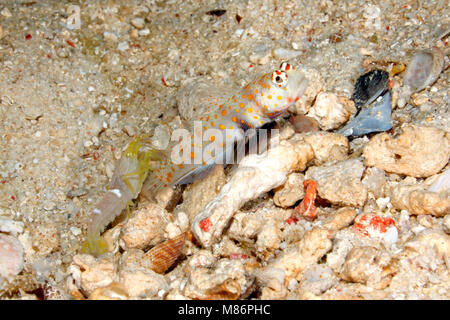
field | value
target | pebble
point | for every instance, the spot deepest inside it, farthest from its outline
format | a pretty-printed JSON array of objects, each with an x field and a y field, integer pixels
[
  {"x": 123, "y": 46},
  {"x": 1, "y": 32},
  {"x": 137, "y": 278},
  {"x": 62, "y": 52},
  {"x": 317, "y": 279},
  {"x": 6, "y": 13},
  {"x": 327, "y": 146},
  {"x": 342, "y": 218},
  {"x": 110, "y": 36},
  {"x": 11, "y": 253},
  {"x": 227, "y": 279},
  {"x": 90, "y": 273},
  {"x": 145, "y": 228},
  {"x": 87, "y": 143},
  {"x": 369, "y": 266},
  {"x": 11, "y": 226},
  {"x": 329, "y": 111},
  {"x": 114, "y": 291},
  {"x": 419, "y": 201},
  {"x": 75, "y": 231},
  {"x": 144, "y": 32},
  {"x": 307, "y": 252},
  {"x": 340, "y": 182},
  {"x": 417, "y": 151},
  {"x": 138, "y": 23},
  {"x": 239, "y": 32},
  {"x": 291, "y": 192}
]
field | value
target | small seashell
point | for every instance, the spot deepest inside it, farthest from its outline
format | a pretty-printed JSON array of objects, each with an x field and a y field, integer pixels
[
  {"x": 424, "y": 69},
  {"x": 375, "y": 118},
  {"x": 370, "y": 86},
  {"x": 162, "y": 256}
]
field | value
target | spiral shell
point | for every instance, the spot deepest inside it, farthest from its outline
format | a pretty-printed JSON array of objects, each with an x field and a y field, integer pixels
[{"x": 162, "y": 256}]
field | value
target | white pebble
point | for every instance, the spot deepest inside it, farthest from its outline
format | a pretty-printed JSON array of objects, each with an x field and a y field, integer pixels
[
  {"x": 123, "y": 46},
  {"x": 110, "y": 36},
  {"x": 391, "y": 235},
  {"x": 239, "y": 32},
  {"x": 87, "y": 143},
  {"x": 138, "y": 23},
  {"x": 75, "y": 231},
  {"x": 144, "y": 32},
  {"x": 6, "y": 13},
  {"x": 10, "y": 226}
]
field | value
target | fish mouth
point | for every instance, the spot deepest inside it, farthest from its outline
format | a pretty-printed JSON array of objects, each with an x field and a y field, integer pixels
[{"x": 301, "y": 90}]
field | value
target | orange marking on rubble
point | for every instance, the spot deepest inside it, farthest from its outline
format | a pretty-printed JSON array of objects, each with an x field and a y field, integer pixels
[
  {"x": 205, "y": 224},
  {"x": 306, "y": 208}
]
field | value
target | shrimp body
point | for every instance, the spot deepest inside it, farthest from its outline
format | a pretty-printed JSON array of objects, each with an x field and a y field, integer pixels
[
  {"x": 125, "y": 185},
  {"x": 206, "y": 142}
]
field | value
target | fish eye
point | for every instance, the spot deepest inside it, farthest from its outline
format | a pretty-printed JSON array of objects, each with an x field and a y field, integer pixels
[{"x": 279, "y": 78}]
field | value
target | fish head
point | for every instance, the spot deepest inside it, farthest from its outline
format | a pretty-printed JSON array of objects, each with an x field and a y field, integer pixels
[{"x": 279, "y": 89}]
